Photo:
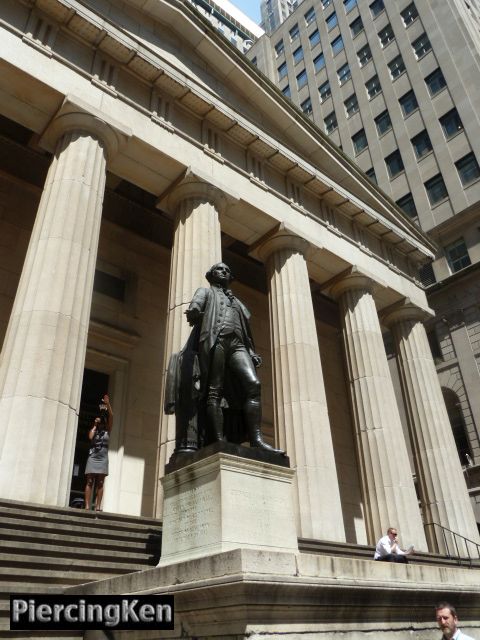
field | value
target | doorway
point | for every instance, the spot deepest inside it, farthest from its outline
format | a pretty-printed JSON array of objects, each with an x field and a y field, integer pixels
[{"x": 94, "y": 387}]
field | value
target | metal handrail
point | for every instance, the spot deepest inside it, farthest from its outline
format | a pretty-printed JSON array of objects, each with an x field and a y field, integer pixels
[{"x": 456, "y": 536}]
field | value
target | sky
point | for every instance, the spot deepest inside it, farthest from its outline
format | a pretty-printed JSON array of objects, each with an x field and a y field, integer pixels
[{"x": 250, "y": 7}]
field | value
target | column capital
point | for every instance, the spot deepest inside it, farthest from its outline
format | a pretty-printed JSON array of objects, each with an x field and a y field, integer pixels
[
  {"x": 77, "y": 115},
  {"x": 350, "y": 280},
  {"x": 404, "y": 310},
  {"x": 282, "y": 237},
  {"x": 192, "y": 185}
]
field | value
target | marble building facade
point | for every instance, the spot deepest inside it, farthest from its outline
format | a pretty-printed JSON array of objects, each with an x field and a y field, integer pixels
[{"x": 140, "y": 148}]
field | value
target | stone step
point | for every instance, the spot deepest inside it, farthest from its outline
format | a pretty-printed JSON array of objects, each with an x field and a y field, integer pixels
[
  {"x": 20, "y": 543},
  {"x": 95, "y": 528},
  {"x": 103, "y": 565},
  {"x": 48, "y": 577}
]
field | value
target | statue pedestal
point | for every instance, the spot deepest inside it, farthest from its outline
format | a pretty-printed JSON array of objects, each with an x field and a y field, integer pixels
[{"x": 221, "y": 502}]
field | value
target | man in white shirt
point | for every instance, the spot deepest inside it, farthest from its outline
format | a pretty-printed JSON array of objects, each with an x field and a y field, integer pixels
[
  {"x": 388, "y": 548},
  {"x": 447, "y": 621}
]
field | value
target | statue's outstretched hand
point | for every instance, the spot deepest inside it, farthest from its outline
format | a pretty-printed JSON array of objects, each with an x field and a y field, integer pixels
[
  {"x": 257, "y": 360},
  {"x": 193, "y": 316}
]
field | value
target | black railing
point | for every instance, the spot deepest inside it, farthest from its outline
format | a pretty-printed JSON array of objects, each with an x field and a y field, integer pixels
[{"x": 457, "y": 547}]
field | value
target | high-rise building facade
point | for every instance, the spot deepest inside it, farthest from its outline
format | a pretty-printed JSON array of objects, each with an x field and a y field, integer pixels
[
  {"x": 396, "y": 85},
  {"x": 238, "y": 28},
  {"x": 274, "y": 12}
]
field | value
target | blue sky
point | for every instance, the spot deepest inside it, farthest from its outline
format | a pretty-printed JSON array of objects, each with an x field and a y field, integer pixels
[{"x": 250, "y": 7}]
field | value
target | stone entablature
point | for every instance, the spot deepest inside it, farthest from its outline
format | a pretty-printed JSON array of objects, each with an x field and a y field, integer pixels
[{"x": 395, "y": 243}]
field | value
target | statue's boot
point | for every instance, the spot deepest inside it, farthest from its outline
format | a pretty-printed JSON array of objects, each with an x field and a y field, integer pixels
[
  {"x": 253, "y": 417},
  {"x": 215, "y": 415}
]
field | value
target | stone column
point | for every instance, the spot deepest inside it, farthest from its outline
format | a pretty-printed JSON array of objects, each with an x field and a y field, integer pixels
[
  {"x": 301, "y": 415},
  {"x": 44, "y": 350},
  {"x": 196, "y": 206},
  {"x": 443, "y": 490},
  {"x": 388, "y": 488}
]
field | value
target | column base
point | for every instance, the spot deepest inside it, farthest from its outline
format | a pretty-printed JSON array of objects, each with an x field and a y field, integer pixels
[{"x": 221, "y": 502}]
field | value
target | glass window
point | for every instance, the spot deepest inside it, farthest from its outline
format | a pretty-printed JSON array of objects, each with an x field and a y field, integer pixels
[
  {"x": 344, "y": 73},
  {"x": 409, "y": 14},
  {"x": 351, "y": 105},
  {"x": 376, "y": 7},
  {"x": 324, "y": 91},
  {"x": 302, "y": 79},
  {"x": 298, "y": 55},
  {"x": 337, "y": 45},
  {"x": 468, "y": 169},
  {"x": 359, "y": 141},
  {"x": 331, "y": 21},
  {"x": 319, "y": 62},
  {"x": 396, "y": 66},
  {"x": 451, "y": 123},
  {"x": 282, "y": 70},
  {"x": 364, "y": 55},
  {"x": 383, "y": 122},
  {"x": 427, "y": 277},
  {"x": 371, "y": 175},
  {"x": 331, "y": 122},
  {"x": 457, "y": 255},
  {"x": 306, "y": 106},
  {"x": 356, "y": 26},
  {"x": 421, "y": 45},
  {"x": 407, "y": 204},
  {"x": 386, "y": 35},
  {"x": 279, "y": 48},
  {"x": 394, "y": 163},
  {"x": 349, "y": 4},
  {"x": 421, "y": 144},
  {"x": 314, "y": 38},
  {"x": 286, "y": 91},
  {"x": 408, "y": 102},
  {"x": 435, "y": 82},
  {"x": 326, "y": 3},
  {"x": 310, "y": 16},
  {"x": 294, "y": 33},
  {"x": 436, "y": 189},
  {"x": 373, "y": 86}
]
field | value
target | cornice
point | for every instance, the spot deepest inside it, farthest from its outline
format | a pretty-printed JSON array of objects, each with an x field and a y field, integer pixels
[{"x": 148, "y": 65}]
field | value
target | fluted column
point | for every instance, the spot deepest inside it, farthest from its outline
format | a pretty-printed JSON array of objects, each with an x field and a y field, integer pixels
[
  {"x": 301, "y": 415},
  {"x": 196, "y": 206},
  {"x": 44, "y": 350},
  {"x": 443, "y": 490},
  {"x": 389, "y": 491}
]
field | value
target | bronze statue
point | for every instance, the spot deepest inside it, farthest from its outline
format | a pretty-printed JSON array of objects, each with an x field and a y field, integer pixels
[{"x": 212, "y": 384}]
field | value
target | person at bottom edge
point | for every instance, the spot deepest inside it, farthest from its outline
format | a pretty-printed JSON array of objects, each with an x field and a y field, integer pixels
[
  {"x": 447, "y": 621},
  {"x": 388, "y": 548},
  {"x": 96, "y": 468}
]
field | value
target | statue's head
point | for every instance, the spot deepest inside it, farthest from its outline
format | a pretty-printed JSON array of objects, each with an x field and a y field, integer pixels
[{"x": 219, "y": 274}]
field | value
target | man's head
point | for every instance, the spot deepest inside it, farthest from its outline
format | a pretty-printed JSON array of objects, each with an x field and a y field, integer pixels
[
  {"x": 219, "y": 274},
  {"x": 446, "y": 619},
  {"x": 392, "y": 533}
]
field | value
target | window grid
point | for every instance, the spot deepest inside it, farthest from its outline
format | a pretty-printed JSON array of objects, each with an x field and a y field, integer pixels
[
  {"x": 421, "y": 144},
  {"x": 344, "y": 73},
  {"x": 468, "y": 169},
  {"x": 436, "y": 189},
  {"x": 325, "y": 91},
  {"x": 421, "y": 45},
  {"x": 435, "y": 82},
  {"x": 337, "y": 45},
  {"x": 309, "y": 16},
  {"x": 408, "y": 102},
  {"x": 451, "y": 123},
  {"x": 396, "y": 66},
  {"x": 351, "y": 105},
  {"x": 386, "y": 35},
  {"x": 331, "y": 21},
  {"x": 306, "y": 106},
  {"x": 349, "y": 5},
  {"x": 331, "y": 122},
  {"x": 282, "y": 70},
  {"x": 376, "y": 8},
  {"x": 383, "y": 122},
  {"x": 279, "y": 48},
  {"x": 457, "y": 255},
  {"x": 286, "y": 91},
  {"x": 356, "y": 26},
  {"x": 394, "y": 164},
  {"x": 373, "y": 86},
  {"x": 298, "y": 55},
  {"x": 359, "y": 141},
  {"x": 314, "y": 38},
  {"x": 294, "y": 33},
  {"x": 302, "y": 79},
  {"x": 319, "y": 62},
  {"x": 409, "y": 14},
  {"x": 371, "y": 175},
  {"x": 364, "y": 55},
  {"x": 407, "y": 204}
]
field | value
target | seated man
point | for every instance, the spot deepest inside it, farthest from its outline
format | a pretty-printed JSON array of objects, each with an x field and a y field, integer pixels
[{"x": 388, "y": 548}]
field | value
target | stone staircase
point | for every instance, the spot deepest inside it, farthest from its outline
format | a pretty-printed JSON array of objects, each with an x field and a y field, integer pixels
[{"x": 45, "y": 549}]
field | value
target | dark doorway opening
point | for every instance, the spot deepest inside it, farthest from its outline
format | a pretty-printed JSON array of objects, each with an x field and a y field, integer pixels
[{"x": 94, "y": 386}]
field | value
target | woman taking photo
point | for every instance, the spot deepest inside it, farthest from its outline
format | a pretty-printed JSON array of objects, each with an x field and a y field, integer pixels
[{"x": 97, "y": 463}]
